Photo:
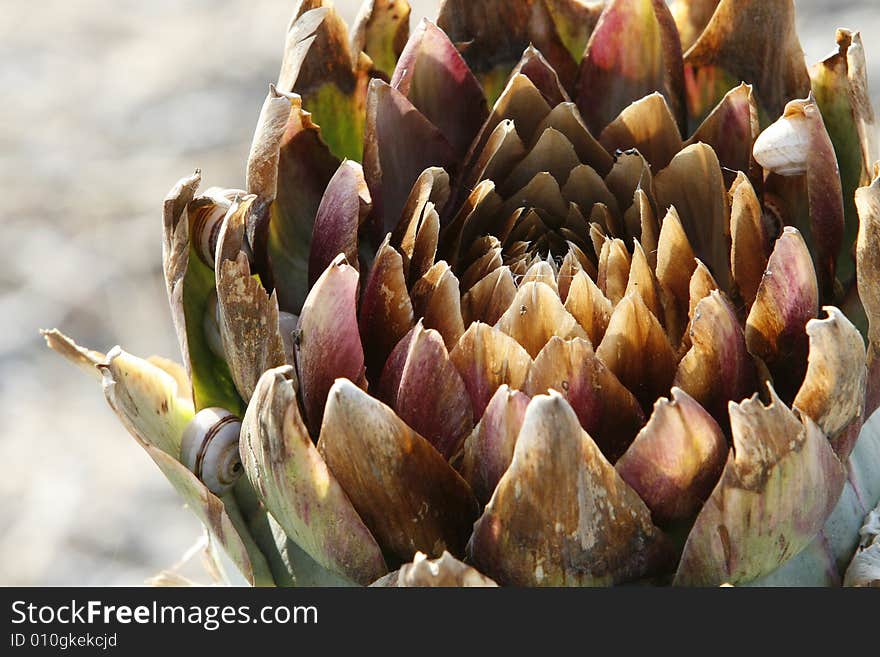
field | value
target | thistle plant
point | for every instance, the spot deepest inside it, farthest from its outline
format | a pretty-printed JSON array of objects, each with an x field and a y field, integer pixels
[{"x": 545, "y": 293}]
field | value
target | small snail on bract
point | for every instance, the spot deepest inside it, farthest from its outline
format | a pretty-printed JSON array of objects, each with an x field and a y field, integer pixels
[
  {"x": 206, "y": 215},
  {"x": 783, "y": 147},
  {"x": 209, "y": 448}
]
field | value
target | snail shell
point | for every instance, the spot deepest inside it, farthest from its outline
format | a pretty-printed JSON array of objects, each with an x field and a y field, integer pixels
[
  {"x": 783, "y": 147},
  {"x": 209, "y": 448},
  {"x": 206, "y": 218}
]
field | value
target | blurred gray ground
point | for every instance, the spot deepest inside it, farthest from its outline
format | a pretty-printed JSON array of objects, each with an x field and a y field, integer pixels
[{"x": 106, "y": 104}]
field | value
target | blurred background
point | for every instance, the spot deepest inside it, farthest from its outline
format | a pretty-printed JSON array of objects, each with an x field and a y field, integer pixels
[{"x": 107, "y": 104}]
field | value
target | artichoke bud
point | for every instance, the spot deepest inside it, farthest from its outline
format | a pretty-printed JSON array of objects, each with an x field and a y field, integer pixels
[{"x": 209, "y": 448}]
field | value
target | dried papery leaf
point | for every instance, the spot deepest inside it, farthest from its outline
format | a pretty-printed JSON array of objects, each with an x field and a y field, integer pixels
[
  {"x": 535, "y": 67},
  {"x": 486, "y": 359},
  {"x": 675, "y": 268},
  {"x": 868, "y": 204},
  {"x": 297, "y": 487},
  {"x": 381, "y": 30},
  {"x": 750, "y": 243},
  {"x": 588, "y": 528},
  {"x": 430, "y": 73},
  {"x": 247, "y": 315},
  {"x": 588, "y": 306},
  {"x": 693, "y": 183},
  {"x": 344, "y": 207},
  {"x": 87, "y": 359},
  {"x": 435, "y": 299},
  {"x": 425, "y": 390},
  {"x": 676, "y": 460},
  {"x": 613, "y": 74},
  {"x": 833, "y": 392},
  {"x": 391, "y": 165},
  {"x": 319, "y": 66},
  {"x": 691, "y": 18},
  {"x": 262, "y": 165},
  {"x": 725, "y": 55},
  {"x": 445, "y": 572},
  {"x": 493, "y": 35},
  {"x": 249, "y": 326},
  {"x": 780, "y": 484},
  {"x": 294, "y": 188},
  {"x": 489, "y": 448},
  {"x": 642, "y": 282},
  {"x": 403, "y": 489},
  {"x": 718, "y": 368},
  {"x": 787, "y": 299},
  {"x": 606, "y": 410},
  {"x": 487, "y": 300},
  {"x": 329, "y": 344},
  {"x": 648, "y": 126},
  {"x": 535, "y": 316},
  {"x": 541, "y": 272},
  {"x": 614, "y": 266},
  {"x": 841, "y": 88},
  {"x": 635, "y": 348},
  {"x": 566, "y": 118},
  {"x": 630, "y": 172},
  {"x": 575, "y": 21},
  {"x": 731, "y": 130},
  {"x": 552, "y": 153},
  {"x": 190, "y": 286},
  {"x": 145, "y": 399},
  {"x": 386, "y": 312}
]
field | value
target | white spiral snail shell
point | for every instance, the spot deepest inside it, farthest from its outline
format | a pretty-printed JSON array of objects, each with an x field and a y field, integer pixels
[
  {"x": 209, "y": 448},
  {"x": 783, "y": 147},
  {"x": 206, "y": 215}
]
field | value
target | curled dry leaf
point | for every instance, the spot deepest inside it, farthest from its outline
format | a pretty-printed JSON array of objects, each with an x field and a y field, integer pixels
[
  {"x": 781, "y": 482},
  {"x": 833, "y": 392}
]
